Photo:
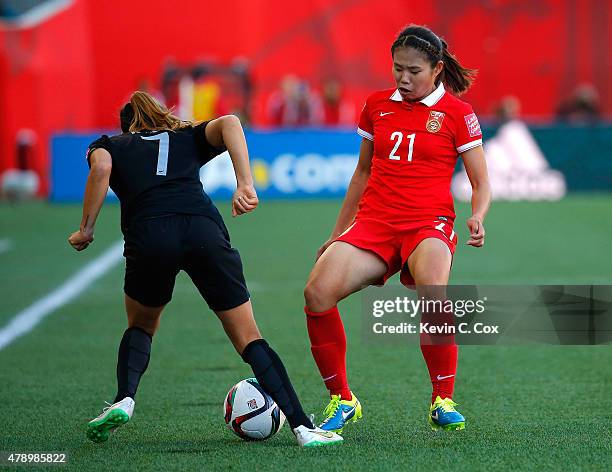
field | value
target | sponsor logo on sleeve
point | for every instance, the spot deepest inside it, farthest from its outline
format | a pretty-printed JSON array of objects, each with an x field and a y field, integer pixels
[
  {"x": 434, "y": 122},
  {"x": 472, "y": 125}
]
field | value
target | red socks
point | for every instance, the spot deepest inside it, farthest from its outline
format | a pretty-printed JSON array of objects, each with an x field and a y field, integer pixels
[
  {"x": 328, "y": 346},
  {"x": 442, "y": 365},
  {"x": 440, "y": 354}
]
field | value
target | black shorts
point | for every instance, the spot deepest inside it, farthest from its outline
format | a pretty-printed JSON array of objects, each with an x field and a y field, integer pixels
[{"x": 156, "y": 249}]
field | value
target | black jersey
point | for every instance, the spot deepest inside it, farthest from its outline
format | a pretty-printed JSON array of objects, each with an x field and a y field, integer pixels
[{"x": 157, "y": 173}]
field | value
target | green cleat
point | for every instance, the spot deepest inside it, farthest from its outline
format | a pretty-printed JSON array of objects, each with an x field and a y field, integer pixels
[
  {"x": 339, "y": 412},
  {"x": 111, "y": 418},
  {"x": 442, "y": 415}
]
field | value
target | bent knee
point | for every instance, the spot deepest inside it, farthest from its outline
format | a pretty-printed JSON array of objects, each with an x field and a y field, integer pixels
[
  {"x": 145, "y": 322},
  {"x": 319, "y": 297},
  {"x": 433, "y": 279},
  {"x": 147, "y": 327},
  {"x": 432, "y": 283},
  {"x": 434, "y": 273}
]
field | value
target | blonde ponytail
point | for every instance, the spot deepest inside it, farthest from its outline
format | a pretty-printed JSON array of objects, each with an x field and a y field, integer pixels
[{"x": 145, "y": 113}]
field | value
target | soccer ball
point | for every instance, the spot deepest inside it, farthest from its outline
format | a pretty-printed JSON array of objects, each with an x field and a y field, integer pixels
[{"x": 250, "y": 412}]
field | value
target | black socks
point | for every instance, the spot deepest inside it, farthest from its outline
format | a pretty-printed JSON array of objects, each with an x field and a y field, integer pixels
[
  {"x": 135, "y": 351},
  {"x": 272, "y": 376},
  {"x": 133, "y": 359}
]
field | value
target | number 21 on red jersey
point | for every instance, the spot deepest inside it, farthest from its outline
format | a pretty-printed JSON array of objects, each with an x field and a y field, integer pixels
[{"x": 398, "y": 136}]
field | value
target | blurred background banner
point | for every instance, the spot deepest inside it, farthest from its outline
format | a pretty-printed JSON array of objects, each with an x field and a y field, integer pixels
[
  {"x": 541, "y": 163},
  {"x": 286, "y": 164},
  {"x": 69, "y": 65}
]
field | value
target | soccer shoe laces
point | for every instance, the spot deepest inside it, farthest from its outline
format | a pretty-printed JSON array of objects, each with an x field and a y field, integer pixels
[
  {"x": 447, "y": 405},
  {"x": 106, "y": 408},
  {"x": 332, "y": 407}
]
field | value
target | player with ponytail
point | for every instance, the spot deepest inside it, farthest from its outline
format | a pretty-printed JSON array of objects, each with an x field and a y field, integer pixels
[
  {"x": 169, "y": 224},
  {"x": 454, "y": 76},
  {"x": 398, "y": 215}
]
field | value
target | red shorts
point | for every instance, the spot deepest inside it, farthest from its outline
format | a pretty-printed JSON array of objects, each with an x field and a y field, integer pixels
[{"x": 394, "y": 244}]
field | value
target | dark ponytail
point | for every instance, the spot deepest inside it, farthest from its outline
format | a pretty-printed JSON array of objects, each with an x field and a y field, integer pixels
[{"x": 454, "y": 76}]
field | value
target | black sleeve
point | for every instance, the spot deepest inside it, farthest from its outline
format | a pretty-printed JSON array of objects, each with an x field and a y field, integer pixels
[
  {"x": 103, "y": 142},
  {"x": 206, "y": 151}
]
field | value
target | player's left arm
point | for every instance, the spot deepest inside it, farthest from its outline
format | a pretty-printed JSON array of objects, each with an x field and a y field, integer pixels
[
  {"x": 226, "y": 131},
  {"x": 95, "y": 193},
  {"x": 476, "y": 168}
]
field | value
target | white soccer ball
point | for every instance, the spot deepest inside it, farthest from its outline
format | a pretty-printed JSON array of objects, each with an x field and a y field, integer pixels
[{"x": 250, "y": 412}]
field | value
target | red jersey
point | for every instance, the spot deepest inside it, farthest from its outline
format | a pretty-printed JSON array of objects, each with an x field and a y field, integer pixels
[{"x": 416, "y": 146}]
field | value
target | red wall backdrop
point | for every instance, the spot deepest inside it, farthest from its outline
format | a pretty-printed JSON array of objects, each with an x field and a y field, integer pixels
[
  {"x": 74, "y": 70},
  {"x": 46, "y": 84}
]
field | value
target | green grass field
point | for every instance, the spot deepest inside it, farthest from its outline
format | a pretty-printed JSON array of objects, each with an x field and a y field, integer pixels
[{"x": 528, "y": 408}]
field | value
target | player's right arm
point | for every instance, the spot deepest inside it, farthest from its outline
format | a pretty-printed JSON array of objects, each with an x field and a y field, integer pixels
[
  {"x": 353, "y": 194},
  {"x": 95, "y": 192}
]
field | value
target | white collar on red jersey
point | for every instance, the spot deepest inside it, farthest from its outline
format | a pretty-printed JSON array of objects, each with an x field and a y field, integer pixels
[{"x": 430, "y": 100}]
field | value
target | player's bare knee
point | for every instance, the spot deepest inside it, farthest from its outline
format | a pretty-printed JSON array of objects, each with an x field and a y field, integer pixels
[
  {"x": 318, "y": 297},
  {"x": 310, "y": 293},
  {"x": 145, "y": 321},
  {"x": 147, "y": 327},
  {"x": 431, "y": 282}
]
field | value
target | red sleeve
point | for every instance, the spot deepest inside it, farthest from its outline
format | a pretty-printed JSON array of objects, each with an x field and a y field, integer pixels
[
  {"x": 467, "y": 132},
  {"x": 365, "y": 128}
]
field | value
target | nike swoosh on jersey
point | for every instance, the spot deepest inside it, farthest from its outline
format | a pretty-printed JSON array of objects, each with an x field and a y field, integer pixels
[{"x": 387, "y": 113}]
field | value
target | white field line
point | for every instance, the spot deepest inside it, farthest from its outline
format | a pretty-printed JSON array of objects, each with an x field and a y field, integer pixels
[
  {"x": 23, "y": 322},
  {"x": 5, "y": 245}
]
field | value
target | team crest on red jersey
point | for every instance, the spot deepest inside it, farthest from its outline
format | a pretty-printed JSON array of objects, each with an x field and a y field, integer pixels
[
  {"x": 472, "y": 124},
  {"x": 434, "y": 122}
]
